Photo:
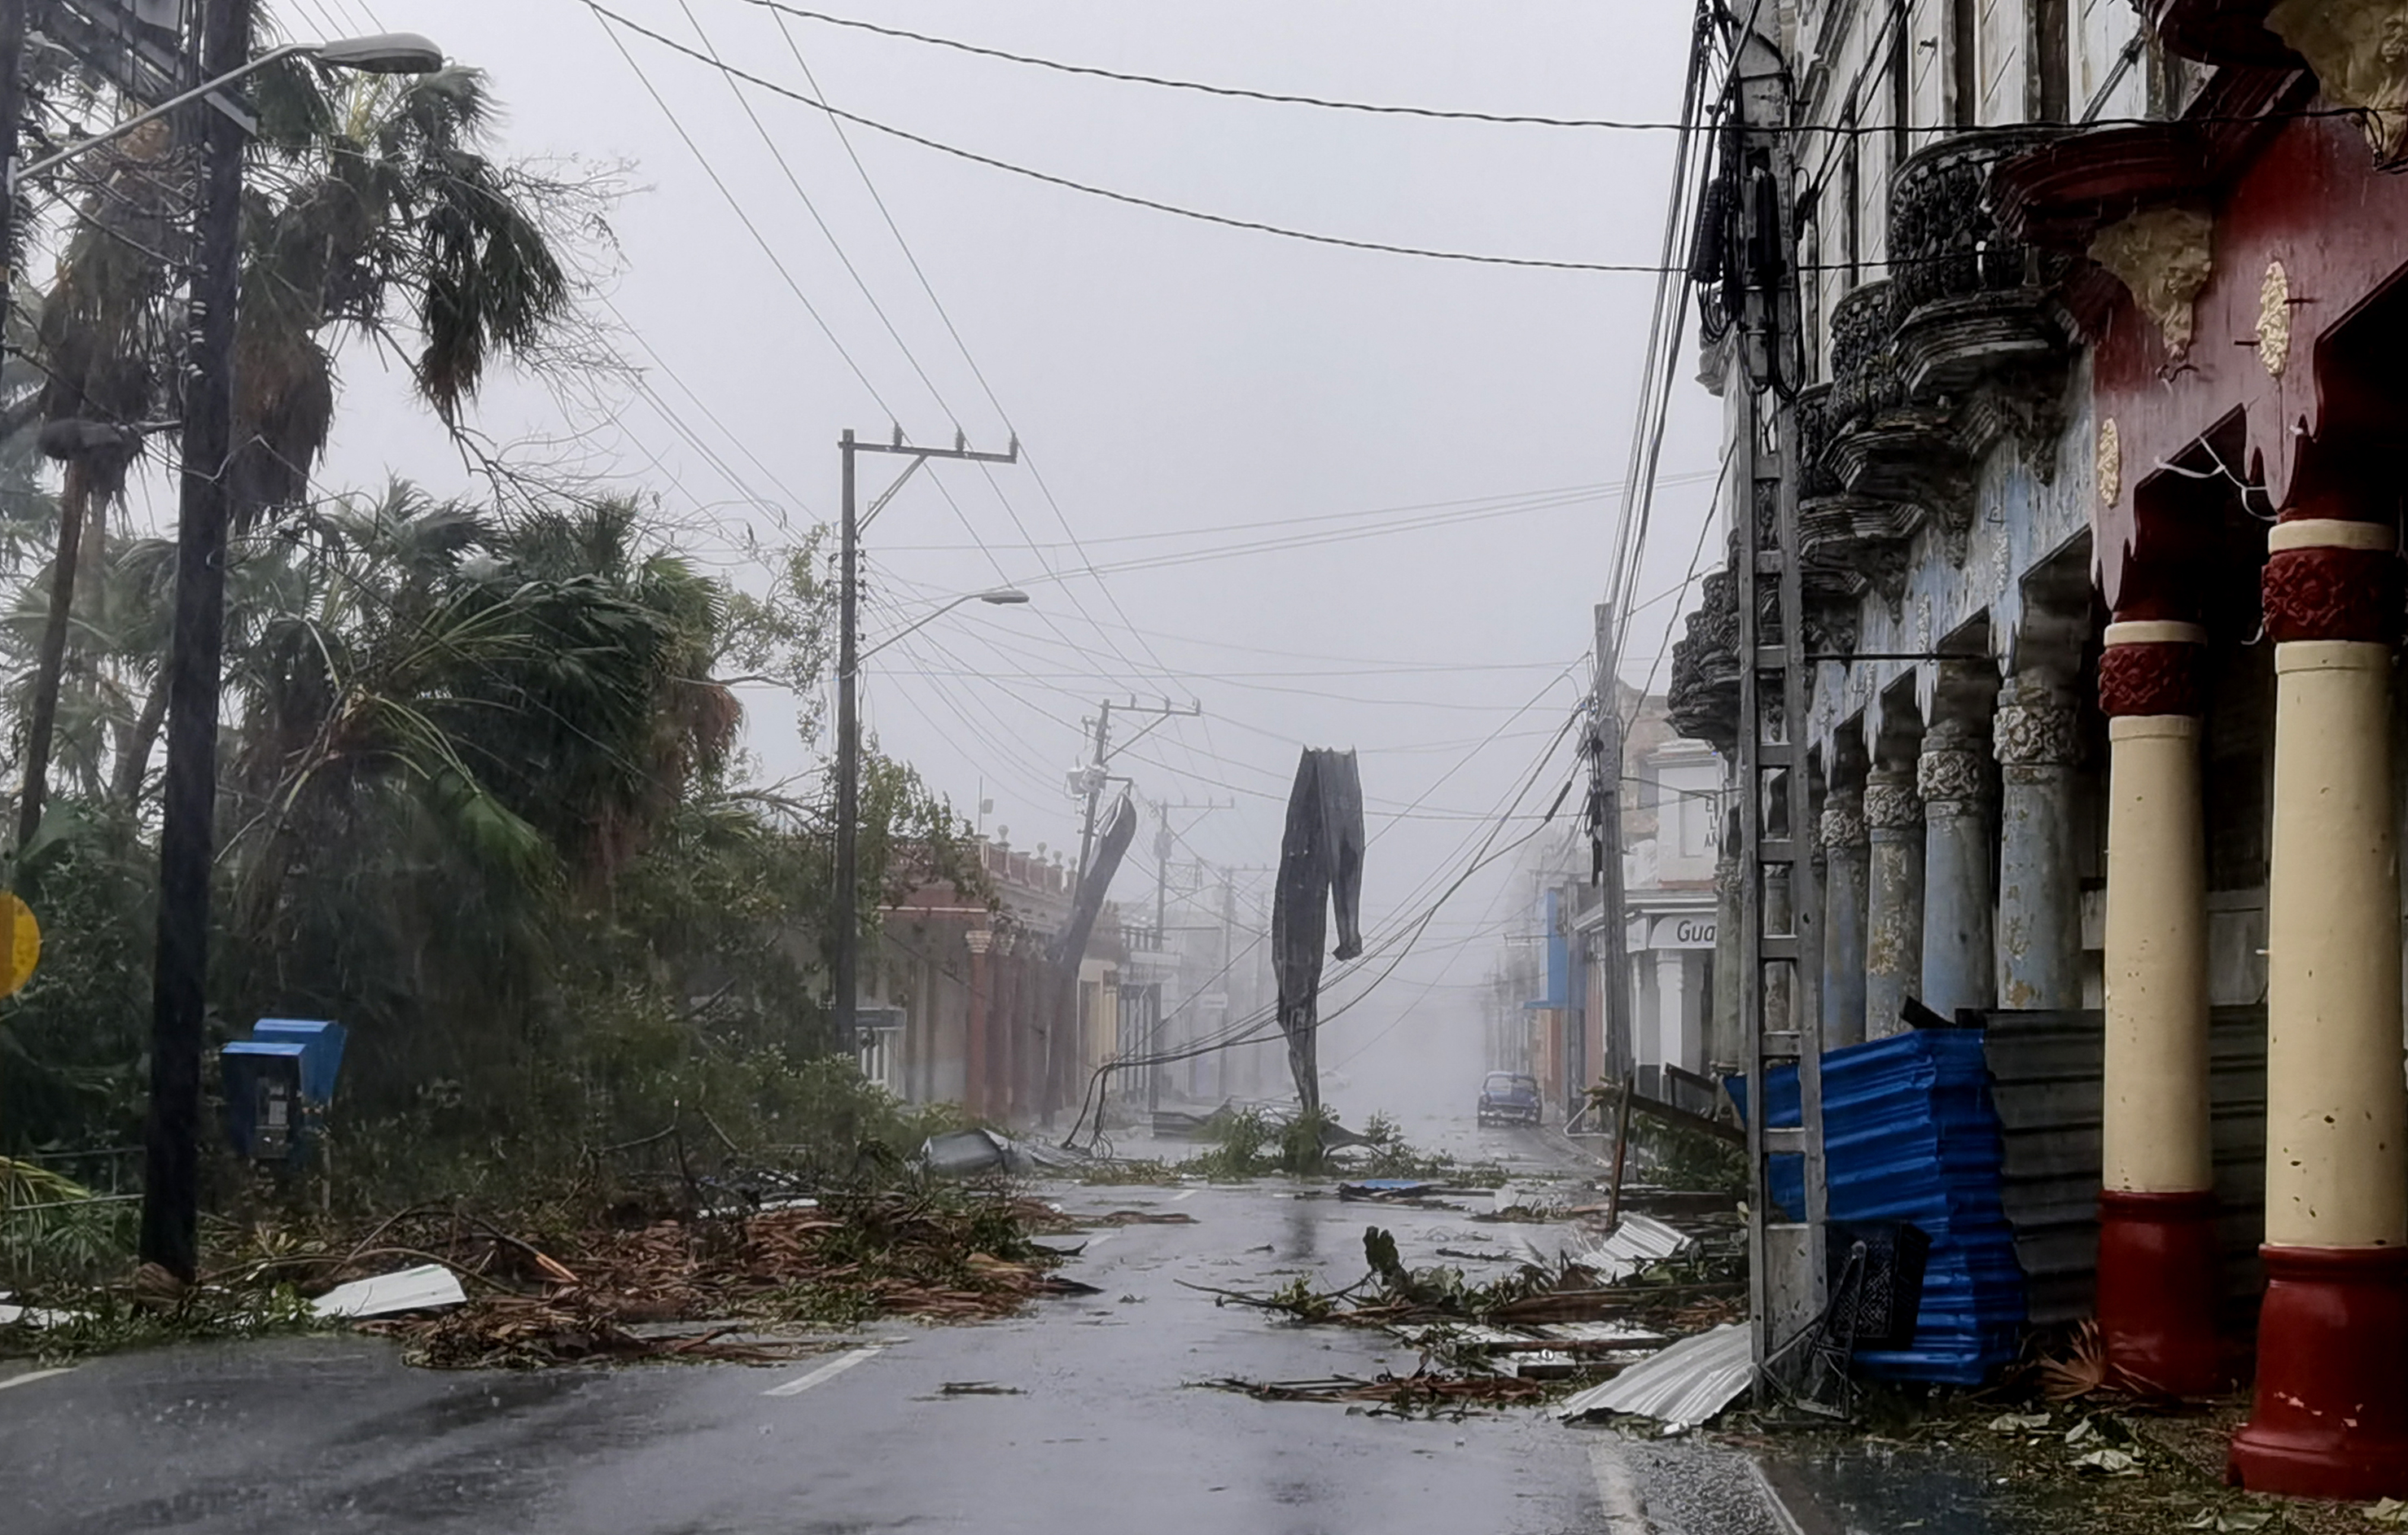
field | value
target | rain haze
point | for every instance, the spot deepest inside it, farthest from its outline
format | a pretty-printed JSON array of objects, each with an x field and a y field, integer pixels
[{"x": 1332, "y": 497}]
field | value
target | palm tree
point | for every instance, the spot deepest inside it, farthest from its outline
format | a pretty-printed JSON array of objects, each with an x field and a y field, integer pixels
[
  {"x": 373, "y": 210},
  {"x": 462, "y": 728}
]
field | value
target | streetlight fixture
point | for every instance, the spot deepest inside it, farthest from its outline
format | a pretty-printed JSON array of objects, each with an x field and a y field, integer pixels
[
  {"x": 1000, "y": 596},
  {"x": 196, "y": 666},
  {"x": 381, "y": 53}
]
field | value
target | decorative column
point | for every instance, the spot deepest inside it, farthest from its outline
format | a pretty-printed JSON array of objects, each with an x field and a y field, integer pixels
[
  {"x": 2158, "y": 1262},
  {"x": 1724, "y": 1044},
  {"x": 1893, "y": 898},
  {"x": 2330, "y": 1418},
  {"x": 974, "y": 1094},
  {"x": 1844, "y": 918},
  {"x": 2038, "y": 739},
  {"x": 1959, "y": 961},
  {"x": 1678, "y": 1034}
]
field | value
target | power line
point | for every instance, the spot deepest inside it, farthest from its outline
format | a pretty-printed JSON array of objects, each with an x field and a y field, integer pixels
[
  {"x": 736, "y": 207},
  {"x": 1028, "y": 459},
  {"x": 1132, "y": 199},
  {"x": 777, "y": 154},
  {"x": 1241, "y": 93},
  {"x": 1459, "y": 114}
]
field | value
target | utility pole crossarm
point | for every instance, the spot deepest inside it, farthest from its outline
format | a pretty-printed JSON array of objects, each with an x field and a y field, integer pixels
[{"x": 967, "y": 455}]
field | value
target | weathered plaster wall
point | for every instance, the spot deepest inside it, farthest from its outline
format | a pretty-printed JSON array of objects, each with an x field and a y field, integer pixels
[{"x": 2031, "y": 500}]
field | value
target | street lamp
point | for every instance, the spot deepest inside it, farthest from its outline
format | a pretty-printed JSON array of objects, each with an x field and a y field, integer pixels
[
  {"x": 1001, "y": 596},
  {"x": 381, "y": 53},
  {"x": 194, "y": 671}
]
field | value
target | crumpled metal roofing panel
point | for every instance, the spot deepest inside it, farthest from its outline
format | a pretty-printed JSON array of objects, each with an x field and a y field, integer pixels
[{"x": 1684, "y": 1385}]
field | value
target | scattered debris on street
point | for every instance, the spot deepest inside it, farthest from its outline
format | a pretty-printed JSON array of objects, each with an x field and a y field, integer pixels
[
  {"x": 1422, "y": 1394},
  {"x": 428, "y": 1287}
]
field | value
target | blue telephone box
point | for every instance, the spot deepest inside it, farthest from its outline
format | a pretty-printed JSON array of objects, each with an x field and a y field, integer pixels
[{"x": 278, "y": 1085}]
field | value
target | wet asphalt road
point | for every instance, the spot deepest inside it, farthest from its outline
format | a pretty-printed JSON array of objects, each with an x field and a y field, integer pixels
[{"x": 1104, "y": 1428}]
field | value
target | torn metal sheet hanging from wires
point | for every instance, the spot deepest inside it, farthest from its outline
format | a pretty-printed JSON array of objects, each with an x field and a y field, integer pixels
[{"x": 1321, "y": 866}]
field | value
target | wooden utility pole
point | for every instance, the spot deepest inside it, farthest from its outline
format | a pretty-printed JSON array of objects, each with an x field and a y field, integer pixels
[
  {"x": 179, "y": 974},
  {"x": 845, "y": 966},
  {"x": 1605, "y": 854}
]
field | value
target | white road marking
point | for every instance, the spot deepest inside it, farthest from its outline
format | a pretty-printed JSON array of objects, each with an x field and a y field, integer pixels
[
  {"x": 32, "y": 1375},
  {"x": 1094, "y": 1243},
  {"x": 1617, "y": 1491},
  {"x": 1182, "y": 1195},
  {"x": 825, "y": 1374}
]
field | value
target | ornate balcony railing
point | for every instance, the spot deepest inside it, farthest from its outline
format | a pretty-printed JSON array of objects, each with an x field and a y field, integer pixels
[
  {"x": 1864, "y": 367},
  {"x": 1944, "y": 242},
  {"x": 1703, "y": 698}
]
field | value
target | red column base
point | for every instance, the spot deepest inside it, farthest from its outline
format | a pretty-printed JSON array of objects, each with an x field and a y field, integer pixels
[
  {"x": 2330, "y": 1419},
  {"x": 2158, "y": 1275}
]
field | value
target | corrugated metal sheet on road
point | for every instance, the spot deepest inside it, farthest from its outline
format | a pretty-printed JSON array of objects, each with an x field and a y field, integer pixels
[
  {"x": 1684, "y": 1385},
  {"x": 1637, "y": 1241},
  {"x": 2045, "y": 1071}
]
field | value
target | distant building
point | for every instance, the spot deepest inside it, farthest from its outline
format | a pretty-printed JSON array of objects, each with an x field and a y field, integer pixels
[
  {"x": 961, "y": 1007},
  {"x": 1547, "y": 1016}
]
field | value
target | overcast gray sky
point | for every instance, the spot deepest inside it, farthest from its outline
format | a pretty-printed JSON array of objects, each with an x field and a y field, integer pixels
[{"x": 1166, "y": 376}]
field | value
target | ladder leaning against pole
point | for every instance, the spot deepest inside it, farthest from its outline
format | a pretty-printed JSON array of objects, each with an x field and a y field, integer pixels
[{"x": 1778, "y": 1011}]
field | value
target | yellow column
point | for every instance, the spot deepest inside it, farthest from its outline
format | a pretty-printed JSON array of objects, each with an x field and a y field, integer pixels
[
  {"x": 2336, "y": 1115},
  {"x": 2155, "y": 1133},
  {"x": 2330, "y": 1413},
  {"x": 2158, "y": 1268}
]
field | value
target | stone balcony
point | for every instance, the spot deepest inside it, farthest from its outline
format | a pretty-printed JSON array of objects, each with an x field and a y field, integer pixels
[
  {"x": 1965, "y": 344},
  {"x": 1971, "y": 304}
]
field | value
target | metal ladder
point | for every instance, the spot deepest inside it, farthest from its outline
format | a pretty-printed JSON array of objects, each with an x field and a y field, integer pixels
[{"x": 1786, "y": 1276}]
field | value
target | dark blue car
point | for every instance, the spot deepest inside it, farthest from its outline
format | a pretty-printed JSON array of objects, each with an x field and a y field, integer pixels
[{"x": 1509, "y": 1097}]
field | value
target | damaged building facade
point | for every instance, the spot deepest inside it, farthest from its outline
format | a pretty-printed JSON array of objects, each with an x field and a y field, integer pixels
[
  {"x": 963, "y": 996},
  {"x": 2104, "y": 332}
]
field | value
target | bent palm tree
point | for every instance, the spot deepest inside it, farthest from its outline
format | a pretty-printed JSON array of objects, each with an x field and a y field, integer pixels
[{"x": 372, "y": 207}]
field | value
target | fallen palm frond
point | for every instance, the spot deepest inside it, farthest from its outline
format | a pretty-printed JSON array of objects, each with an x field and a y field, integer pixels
[
  {"x": 53, "y": 1228},
  {"x": 2079, "y": 1369},
  {"x": 935, "y": 1256},
  {"x": 544, "y": 1289},
  {"x": 1418, "y": 1395}
]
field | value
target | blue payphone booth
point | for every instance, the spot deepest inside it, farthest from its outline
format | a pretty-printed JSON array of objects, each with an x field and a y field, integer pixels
[{"x": 278, "y": 1085}]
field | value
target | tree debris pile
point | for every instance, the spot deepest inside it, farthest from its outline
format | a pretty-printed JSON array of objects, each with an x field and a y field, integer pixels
[
  {"x": 546, "y": 1287},
  {"x": 1424, "y": 1394},
  {"x": 1582, "y": 1317},
  {"x": 939, "y": 1257}
]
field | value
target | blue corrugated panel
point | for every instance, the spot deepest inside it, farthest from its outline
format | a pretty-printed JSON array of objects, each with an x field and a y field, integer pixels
[{"x": 1909, "y": 1134}]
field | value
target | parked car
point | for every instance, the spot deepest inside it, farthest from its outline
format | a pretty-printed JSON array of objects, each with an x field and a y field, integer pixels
[{"x": 1509, "y": 1097}]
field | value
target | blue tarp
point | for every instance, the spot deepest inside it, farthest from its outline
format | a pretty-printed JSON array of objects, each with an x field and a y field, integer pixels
[{"x": 1909, "y": 1134}]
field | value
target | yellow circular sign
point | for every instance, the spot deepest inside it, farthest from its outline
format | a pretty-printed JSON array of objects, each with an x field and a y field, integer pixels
[{"x": 23, "y": 950}]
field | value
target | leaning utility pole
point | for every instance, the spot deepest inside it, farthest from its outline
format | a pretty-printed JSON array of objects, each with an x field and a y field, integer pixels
[
  {"x": 1787, "y": 1277},
  {"x": 846, "y": 966},
  {"x": 179, "y": 974},
  {"x": 1605, "y": 850},
  {"x": 1092, "y": 778}
]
